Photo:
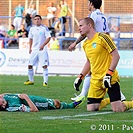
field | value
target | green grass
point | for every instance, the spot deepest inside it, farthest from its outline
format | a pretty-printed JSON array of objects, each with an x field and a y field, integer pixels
[{"x": 62, "y": 121}]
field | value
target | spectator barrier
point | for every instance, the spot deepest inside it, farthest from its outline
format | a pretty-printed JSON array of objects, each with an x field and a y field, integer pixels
[
  {"x": 127, "y": 37},
  {"x": 4, "y": 40}
]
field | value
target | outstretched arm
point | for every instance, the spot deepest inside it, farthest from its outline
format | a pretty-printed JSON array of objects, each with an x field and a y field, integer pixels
[
  {"x": 73, "y": 45},
  {"x": 32, "y": 106}
]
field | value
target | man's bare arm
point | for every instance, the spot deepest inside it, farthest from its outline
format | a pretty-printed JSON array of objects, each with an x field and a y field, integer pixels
[
  {"x": 81, "y": 38},
  {"x": 32, "y": 106},
  {"x": 115, "y": 60},
  {"x": 73, "y": 45},
  {"x": 86, "y": 68}
]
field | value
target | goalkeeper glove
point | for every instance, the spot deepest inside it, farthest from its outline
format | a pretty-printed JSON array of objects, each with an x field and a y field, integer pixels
[
  {"x": 107, "y": 79},
  {"x": 78, "y": 81}
]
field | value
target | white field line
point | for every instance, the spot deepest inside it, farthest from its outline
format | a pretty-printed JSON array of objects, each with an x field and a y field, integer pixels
[
  {"x": 83, "y": 115},
  {"x": 74, "y": 116},
  {"x": 87, "y": 119}
]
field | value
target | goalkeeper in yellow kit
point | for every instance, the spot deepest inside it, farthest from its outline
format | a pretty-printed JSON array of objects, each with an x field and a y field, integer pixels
[{"x": 102, "y": 59}]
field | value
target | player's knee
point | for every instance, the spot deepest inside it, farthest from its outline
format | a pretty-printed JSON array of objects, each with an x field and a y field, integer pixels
[
  {"x": 93, "y": 104},
  {"x": 117, "y": 109},
  {"x": 92, "y": 108},
  {"x": 117, "y": 106}
]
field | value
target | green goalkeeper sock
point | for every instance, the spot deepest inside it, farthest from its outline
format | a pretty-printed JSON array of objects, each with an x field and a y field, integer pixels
[{"x": 65, "y": 105}]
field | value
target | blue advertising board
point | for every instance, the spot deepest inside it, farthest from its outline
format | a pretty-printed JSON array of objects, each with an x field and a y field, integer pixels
[{"x": 125, "y": 65}]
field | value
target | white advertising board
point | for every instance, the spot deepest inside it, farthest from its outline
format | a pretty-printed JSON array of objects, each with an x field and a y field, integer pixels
[
  {"x": 15, "y": 61},
  {"x": 23, "y": 43}
]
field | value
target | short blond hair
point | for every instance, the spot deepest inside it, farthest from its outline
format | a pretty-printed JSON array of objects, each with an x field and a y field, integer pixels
[{"x": 88, "y": 20}]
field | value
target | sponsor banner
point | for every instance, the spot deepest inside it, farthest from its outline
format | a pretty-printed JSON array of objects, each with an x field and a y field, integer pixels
[
  {"x": 15, "y": 61},
  {"x": 23, "y": 43},
  {"x": 65, "y": 62},
  {"x": 125, "y": 65}
]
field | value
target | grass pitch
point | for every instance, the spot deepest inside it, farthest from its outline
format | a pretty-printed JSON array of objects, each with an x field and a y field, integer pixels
[{"x": 62, "y": 121}]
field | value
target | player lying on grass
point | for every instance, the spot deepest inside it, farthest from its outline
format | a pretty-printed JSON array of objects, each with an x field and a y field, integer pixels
[{"x": 30, "y": 103}]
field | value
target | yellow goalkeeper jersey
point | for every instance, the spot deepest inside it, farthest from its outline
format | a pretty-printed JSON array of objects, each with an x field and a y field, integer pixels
[{"x": 98, "y": 51}]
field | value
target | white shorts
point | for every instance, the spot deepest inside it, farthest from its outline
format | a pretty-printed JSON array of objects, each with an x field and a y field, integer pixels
[
  {"x": 39, "y": 57},
  {"x": 17, "y": 22}
]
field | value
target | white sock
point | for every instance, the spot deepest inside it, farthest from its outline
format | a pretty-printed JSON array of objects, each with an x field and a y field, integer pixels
[
  {"x": 86, "y": 85},
  {"x": 31, "y": 75},
  {"x": 45, "y": 75},
  {"x": 122, "y": 96}
]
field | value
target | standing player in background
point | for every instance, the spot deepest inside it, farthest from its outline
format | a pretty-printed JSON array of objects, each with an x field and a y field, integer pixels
[
  {"x": 101, "y": 25},
  {"x": 39, "y": 36}
]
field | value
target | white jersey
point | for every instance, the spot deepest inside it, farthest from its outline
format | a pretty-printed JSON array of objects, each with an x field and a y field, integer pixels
[
  {"x": 100, "y": 21},
  {"x": 38, "y": 34}
]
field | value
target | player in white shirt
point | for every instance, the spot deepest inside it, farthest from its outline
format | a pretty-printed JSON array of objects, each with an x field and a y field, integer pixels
[
  {"x": 39, "y": 36},
  {"x": 101, "y": 25},
  {"x": 99, "y": 19}
]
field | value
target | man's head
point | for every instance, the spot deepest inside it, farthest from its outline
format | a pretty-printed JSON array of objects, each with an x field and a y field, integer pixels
[
  {"x": 12, "y": 27},
  {"x": 51, "y": 4},
  {"x": 95, "y": 4},
  {"x": 19, "y": 5},
  {"x": 33, "y": 6},
  {"x": 22, "y": 26},
  {"x": 37, "y": 20},
  {"x": 85, "y": 25},
  {"x": 3, "y": 103},
  {"x": 62, "y": 2}
]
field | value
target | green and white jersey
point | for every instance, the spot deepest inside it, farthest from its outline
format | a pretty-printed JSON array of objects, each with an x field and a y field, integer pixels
[{"x": 17, "y": 104}]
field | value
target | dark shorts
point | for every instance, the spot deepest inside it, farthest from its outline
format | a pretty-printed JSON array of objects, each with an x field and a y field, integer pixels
[{"x": 113, "y": 92}]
